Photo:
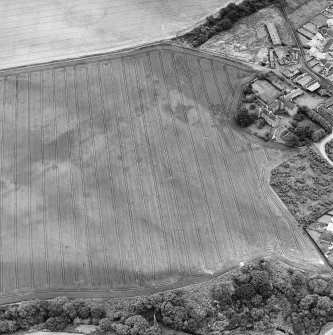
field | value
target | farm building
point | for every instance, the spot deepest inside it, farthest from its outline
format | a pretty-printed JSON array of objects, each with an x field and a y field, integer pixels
[
  {"x": 270, "y": 117},
  {"x": 273, "y": 33},
  {"x": 328, "y": 102},
  {"x": 311, "y": 27},
  {"x": 305, "y": 33},
  {"x": 289, "y": 107},
  {"x": 314, "y": 52},
  {"x": 313, "y": 87},
  {"x": 326, "y": 236},
  {"x": 323, "y": 31},
  {"x": 274, "y": 106},
  {"x": 266, "y": 91},
  {"x": 289, "y": 73},
  {"x": 316, "y": 43},
  {"x": 303, "y": 79},
  {"x": 328, "y": 45},
  {"x": 294, "y": 94}
]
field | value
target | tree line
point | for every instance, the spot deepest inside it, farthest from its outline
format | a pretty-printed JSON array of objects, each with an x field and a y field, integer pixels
[
  {"x": 225, "y": 19},
  {"x": 259, "y": 296}
]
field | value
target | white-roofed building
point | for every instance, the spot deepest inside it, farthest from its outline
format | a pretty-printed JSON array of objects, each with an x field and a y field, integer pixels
[
  {"x": 330, "y": 22},
  {"x": 317, "y": 54},
  {"x": 330, "y": 226},
  {"x": 316, "y": 43},
  {"x": 313, "y": 87}
]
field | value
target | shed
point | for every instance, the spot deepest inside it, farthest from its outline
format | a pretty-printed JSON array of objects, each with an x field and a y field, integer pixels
[
  {"x": 273, "y": 33},
  {"x": 313, "y": 87}
]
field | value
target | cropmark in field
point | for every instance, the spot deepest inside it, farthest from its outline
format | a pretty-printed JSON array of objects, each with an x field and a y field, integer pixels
[{"x": 124, "y": 171}]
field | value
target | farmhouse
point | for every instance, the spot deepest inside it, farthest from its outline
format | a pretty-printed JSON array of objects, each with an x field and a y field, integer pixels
[
  {"x": 274, "y": 106},
  {"x": 273, "y": 33},
  {"x": 270, "y": 117},
  {"x": 289, "y": 106}
]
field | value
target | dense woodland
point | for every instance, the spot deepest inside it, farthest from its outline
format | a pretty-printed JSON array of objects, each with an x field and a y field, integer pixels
[
  {"x": 305, "y": 185},
  {"x": 224, "y": 20},
  {"x": 258, "y": 296},
  {"x": 329, "y": 150}
]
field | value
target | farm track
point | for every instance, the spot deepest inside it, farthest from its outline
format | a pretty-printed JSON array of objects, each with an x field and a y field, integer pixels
[{"x": 118, "y": 177}]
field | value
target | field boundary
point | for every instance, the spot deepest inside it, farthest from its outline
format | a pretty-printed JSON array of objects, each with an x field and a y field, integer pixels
[
  {"x": 128, "y": 52},
  {"x": 151, "y": 289}
]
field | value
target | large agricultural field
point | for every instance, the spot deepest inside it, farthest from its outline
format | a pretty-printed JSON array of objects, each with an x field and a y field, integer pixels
[
  {"x": 125, "y": 171},
  {"x": 37, "y": 31}
]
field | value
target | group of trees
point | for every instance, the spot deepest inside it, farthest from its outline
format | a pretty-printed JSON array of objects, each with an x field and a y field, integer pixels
[
  {"x": 322, "y": 121},
  {"x": 329, "y": 150},
  {"x": 244, "y": 118},
  {"x": 258, "y": 296},
  {"x": 226, "y": 17},
  {"x": 305, "y": 185},
  {"x": 264, "y": 296}
]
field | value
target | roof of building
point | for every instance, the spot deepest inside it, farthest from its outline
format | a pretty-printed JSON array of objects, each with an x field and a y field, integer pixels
[
  {"x": 328, "y": 45},
  {"x": 281, "y": 52},
  {"x": 307, "y": 79},
  {"x": 330, "y": 226},
  {"x": 313, "y": 87},
  {"x": 328, "y": 66},
  {"x": 293, "y": 94},
  {"x": 269, "y": 114},
  {"x": 274, "y": 104},
  {"x": 328, "y": 102},
  {"x": 326, "y": 236},
  {"x": 287, "y": 103},
  {"x": 273, "y": 33}
]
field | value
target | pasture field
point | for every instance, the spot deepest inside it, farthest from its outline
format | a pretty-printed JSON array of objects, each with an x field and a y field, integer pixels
[{"x": 125, "y": 171}]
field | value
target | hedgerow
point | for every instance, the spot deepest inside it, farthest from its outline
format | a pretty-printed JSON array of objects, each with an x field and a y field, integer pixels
[{"x": 259, "y": 296}]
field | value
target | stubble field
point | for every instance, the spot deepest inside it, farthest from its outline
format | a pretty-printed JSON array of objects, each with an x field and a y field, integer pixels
[
  {"x": 38, "y": 31},
  {"x": 124, "y": 171}
]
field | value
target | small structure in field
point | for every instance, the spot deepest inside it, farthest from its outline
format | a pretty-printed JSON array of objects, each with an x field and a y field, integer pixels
[{"x": 273, "y": 33}]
